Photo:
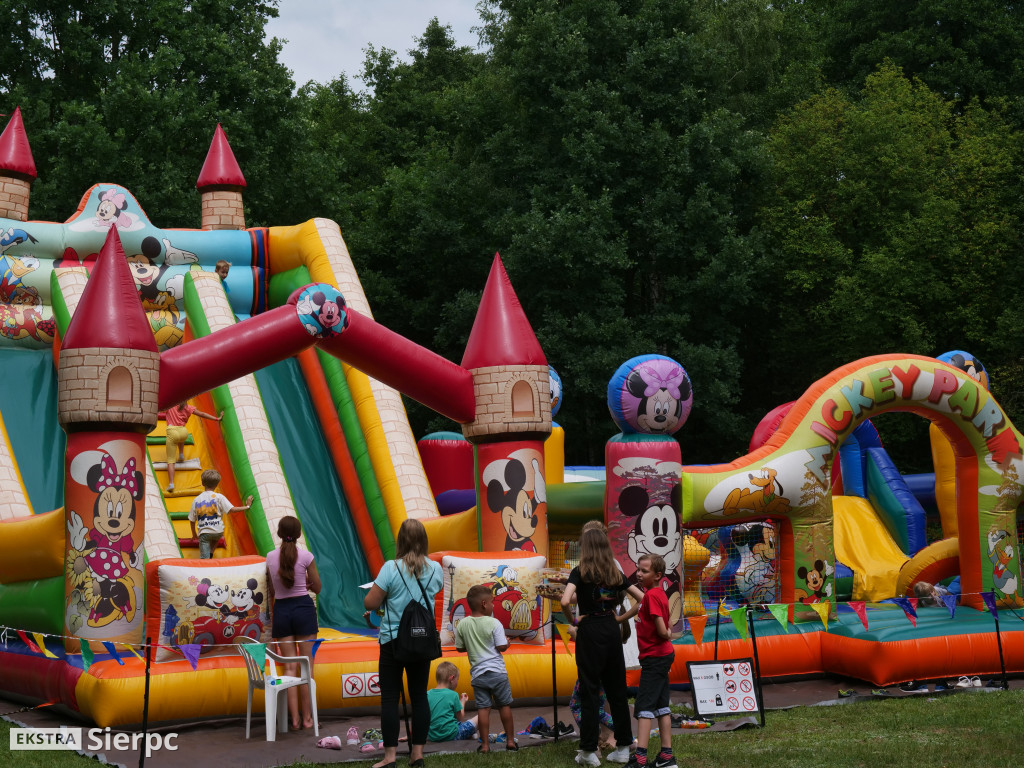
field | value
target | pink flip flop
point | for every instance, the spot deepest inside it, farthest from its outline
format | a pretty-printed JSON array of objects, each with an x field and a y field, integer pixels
[{"x": 329, "y": 742}]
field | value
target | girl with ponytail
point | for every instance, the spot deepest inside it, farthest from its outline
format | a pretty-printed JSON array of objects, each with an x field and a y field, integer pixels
[{"x": 292, "y": 575}]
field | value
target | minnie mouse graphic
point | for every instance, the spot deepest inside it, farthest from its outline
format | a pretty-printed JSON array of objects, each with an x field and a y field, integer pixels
[
  {"x": 111, "y": 210},
  {"x": 101, "y": 559}
]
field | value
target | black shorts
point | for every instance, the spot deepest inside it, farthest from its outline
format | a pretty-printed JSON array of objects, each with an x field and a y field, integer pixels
[
  {"x": 294, "y": 617},
  {"x": 653, "y": 695}
]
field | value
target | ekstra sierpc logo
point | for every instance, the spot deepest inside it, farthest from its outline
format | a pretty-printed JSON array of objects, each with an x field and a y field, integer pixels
[{"x": 94, "y": 739}]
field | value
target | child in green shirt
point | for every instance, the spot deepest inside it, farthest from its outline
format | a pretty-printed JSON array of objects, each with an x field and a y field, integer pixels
[{"x": 448, "y": 720}]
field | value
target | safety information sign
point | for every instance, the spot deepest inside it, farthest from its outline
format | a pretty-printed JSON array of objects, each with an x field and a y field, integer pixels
[{"x": 724, "y": 687}]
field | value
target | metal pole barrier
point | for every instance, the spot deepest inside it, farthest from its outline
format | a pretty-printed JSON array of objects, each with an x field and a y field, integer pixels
[
  {"x": 757, "y": 665},
  {"x": 554, "y": 680},
  {"x": 145, "y": 703},
  {"x": 1002, "y": 661}
]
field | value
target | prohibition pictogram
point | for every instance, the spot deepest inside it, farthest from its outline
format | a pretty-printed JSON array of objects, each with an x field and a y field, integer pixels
[
  {"x": 733, "y": 703},
  {"x": 749, "y": 704},
  {"x": 744, "y": 668},
  {"x": 353, "y": 685},
  {"x": 373, "y": 685},
  {"x": 746, "y": 686},
  {"x": 729, "y": 669},
  {"x": 730, "y": 686}
]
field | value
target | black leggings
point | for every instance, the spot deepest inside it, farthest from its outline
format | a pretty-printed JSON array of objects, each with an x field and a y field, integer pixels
[
  {"x": 417, "y": 674},
  {"x": 599, "y": 662}
]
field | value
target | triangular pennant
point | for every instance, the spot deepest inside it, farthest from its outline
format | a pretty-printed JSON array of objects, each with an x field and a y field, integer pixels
[
  {"x": 781, "y": 613},
  {"x": 313, "y": 650},
  {"x": 908, "y": 608},
  {"x": 950, "y": 602},
  {"x": 823, "y": 610},
  {"x": 87, "y": 655},
  {"x": 24, "y": 638},
  {"x": 722, "y": 610},
  {"x": 137, "y": 654},
  {"x": 563, "y": 632},
  {"x": 697, "y": 624},
  {"x": 990, "y": 602},
  {"x": 113, "y": 652},
  {"x": 739, "y": 620},
  {"x": 42, "y": 645},
  {"x": 191, "y": 652},
  {"x": 913, "y": 604},
  {"x": 858, "y": 607},
  {"x": 258, "y": 652}
]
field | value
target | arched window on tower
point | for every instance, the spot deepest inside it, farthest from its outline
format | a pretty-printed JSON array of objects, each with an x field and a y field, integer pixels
[
  {"x": 119, "y": 388},
  {"x": 522, "y": 399}
]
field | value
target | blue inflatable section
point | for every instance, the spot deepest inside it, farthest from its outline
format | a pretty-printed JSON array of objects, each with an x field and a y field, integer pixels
[
  {"x": 899, "y": 509},
  {"x": 853, "y": 458}
]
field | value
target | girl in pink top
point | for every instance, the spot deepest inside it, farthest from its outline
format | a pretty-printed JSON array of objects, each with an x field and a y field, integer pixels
[{"x": 291, "y": 575}]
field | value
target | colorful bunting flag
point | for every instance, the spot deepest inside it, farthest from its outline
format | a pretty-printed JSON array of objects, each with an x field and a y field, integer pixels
[
  {"x": 781, "y": 614},
  {"x": 722, "y": 610},
  {"x": 313, "y": 650},
  {"x": 137, "y": 654},
  {"x": 258, "y": 652},
  {"x": 87, "y": 655},
  {"x": 823, "y": 610},
  {"x": 697, "y": 624},
  {"x": 42, "y": 645},
  {"x": 24, "y": 638},
  {"x": 990, "y": 603},
  {"x": 739, "y": 620},
  {"x": 858, "y": 607},
  {"x": 191, "y": 653},
  {"x": 563, "y": 632},
  {"x": 113, "y": 652},
  {"x": 950, "y": 601},
  {"x": 907, "y": 607}
]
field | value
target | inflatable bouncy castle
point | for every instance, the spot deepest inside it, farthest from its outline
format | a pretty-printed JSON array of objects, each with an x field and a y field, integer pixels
[{"x": 109, "y": 320}]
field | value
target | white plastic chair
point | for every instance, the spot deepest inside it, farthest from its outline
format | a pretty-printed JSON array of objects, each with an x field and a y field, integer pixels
[{"x": 274, "y": 687}]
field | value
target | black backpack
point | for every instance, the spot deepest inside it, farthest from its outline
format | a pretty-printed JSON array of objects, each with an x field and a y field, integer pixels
[{"x": 417, "y": 638}]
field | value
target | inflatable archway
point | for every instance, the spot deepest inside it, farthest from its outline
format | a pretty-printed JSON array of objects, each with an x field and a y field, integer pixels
[{"x": 787, "y": 479}]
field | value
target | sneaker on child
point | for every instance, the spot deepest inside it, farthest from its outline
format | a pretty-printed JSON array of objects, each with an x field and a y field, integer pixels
[
  {"x": 619, "y": 755},
  {"x": 669, "y": 761},
  {"x": 588, "y": 758}
]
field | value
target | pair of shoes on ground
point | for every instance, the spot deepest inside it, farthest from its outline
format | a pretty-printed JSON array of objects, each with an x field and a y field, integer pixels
[
  {"x": 914, "y": 687},
  {"x": 658, "y": 762},
  {"x": 968, "y": 682},
  {"x": 560, "y": 730},
  {"x": 618, "y": 755}
]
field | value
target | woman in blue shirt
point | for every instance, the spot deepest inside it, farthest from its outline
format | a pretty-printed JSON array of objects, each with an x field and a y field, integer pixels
[{"x": 394, "y": 587}]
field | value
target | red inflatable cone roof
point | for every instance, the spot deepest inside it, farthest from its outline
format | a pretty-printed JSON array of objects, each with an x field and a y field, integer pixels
[
  {"x": 220, "y": 169},
  {"x": 15, "y": 153},
  {"x": 501, "y": 333},
  {"x": 109, "y": 314}
]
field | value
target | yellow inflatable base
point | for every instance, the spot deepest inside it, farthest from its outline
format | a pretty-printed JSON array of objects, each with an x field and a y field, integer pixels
[{"x": 112, "y": 695}]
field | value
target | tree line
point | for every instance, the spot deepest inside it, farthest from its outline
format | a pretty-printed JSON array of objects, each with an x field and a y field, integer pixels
[{"x": 761, "y": 191}]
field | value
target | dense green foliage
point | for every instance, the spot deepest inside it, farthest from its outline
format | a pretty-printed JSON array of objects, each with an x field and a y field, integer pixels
[{"x": 762, "y": 192}]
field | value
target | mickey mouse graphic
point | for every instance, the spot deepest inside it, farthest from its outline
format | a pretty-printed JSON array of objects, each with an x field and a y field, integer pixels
[
  {"x": 815, "y": 578},
  {"x": 660, "y": 411},
  {"x": 519, "y": 511},
  {"x": 656, "y": 532},
  {"x": 106, "y": 554},
  {"x": 244, "y": 603}
]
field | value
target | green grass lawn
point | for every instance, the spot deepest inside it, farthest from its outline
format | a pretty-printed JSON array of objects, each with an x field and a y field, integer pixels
[{"x": 961, "y": 730}]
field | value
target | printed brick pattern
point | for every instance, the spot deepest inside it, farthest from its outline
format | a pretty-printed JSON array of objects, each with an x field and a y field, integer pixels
[
  {"x": 405, "y": 456},
  {"x": 222, "y": 209},
  {"x": 492, "y": 388},
  {"x": 14, "y": 197},
  {"x": 72, "y": 282},
  {"x": 213, "y": 300},
  {"x": 13, "y": 502},
  {"x": 82, "y": 386},
  {"x": 159, "y": 538}
]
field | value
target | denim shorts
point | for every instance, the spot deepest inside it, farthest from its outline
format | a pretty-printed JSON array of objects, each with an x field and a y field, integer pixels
[
  {"x": 294, "y": 617},
  {"x": 653, "y": 696},
  {"x": 492, "y": 689}
]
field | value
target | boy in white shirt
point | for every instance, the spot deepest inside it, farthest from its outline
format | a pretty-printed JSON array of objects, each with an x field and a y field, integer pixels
[
  {"x": 483, "y": 638},
  {"x": 207, "y": 513}
]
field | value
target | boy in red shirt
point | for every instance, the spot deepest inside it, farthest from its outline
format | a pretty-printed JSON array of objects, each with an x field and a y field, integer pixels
[{"x": 654, "y": 641}]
